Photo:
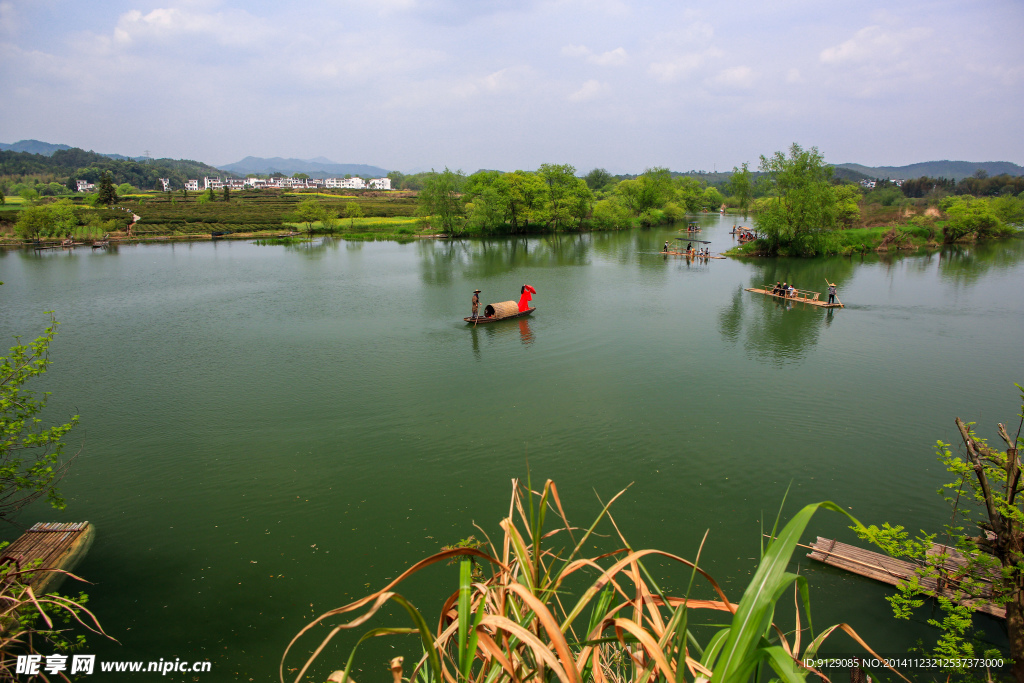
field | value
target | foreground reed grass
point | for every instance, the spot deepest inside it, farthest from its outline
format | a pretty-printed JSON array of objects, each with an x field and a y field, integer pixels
[{"x": 526, "y": 621}]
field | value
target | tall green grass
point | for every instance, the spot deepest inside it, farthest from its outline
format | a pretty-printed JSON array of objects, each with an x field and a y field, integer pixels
[{"x": 543, "y": 610}]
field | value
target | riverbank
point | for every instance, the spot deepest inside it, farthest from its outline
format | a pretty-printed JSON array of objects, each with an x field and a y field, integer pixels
[{"x": 884, "y": 239}]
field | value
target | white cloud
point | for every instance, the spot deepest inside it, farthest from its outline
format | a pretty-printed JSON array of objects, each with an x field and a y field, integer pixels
[
  {"x": 794, "y": 76},
  {"x": 682, "y": 66},
  {"x": 234, "y": 27},
  {"x": 591, "y": 89},
  {"x": 736, "y": 77},
  {"x": 874, "y": 44},
  {"x": 616, "y": 57}
]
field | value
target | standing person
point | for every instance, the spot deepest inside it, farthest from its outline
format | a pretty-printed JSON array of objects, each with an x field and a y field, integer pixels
[
  {"x": 476, "y": 302},
  {"x": 785, "y": 289},
  {"x": 831, "y": 292},
  {"x": 666, "y": 248},
  {"x": 525, "y": 294}
]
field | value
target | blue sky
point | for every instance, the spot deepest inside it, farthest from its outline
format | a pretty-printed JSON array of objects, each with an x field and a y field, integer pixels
[{"x": 413, "y": 84}]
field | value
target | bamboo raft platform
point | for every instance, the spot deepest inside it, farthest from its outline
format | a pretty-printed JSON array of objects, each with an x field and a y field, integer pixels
[
  {"x": 891, "y": 571},
  {"x": 802, "y": 296},
  {"x": 49, "y": 545}
]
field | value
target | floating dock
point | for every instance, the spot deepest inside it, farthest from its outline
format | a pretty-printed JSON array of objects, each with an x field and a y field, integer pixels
[
  {"x": 49, "y": 545},
  {"x": 891, "y": 571},
  {"x": 803, "y": 296}
]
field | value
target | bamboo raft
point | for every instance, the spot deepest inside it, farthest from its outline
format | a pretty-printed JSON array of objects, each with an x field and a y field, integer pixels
[
  {"x": 49, "y": 545},
  {"x": 891, "y": 571},
  {"x": 802, "y": 295}
]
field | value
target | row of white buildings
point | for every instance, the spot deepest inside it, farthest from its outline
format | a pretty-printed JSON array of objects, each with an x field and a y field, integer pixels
[
  {"x": 279, "y": 183},
  {"x": 289, "y": 183}
]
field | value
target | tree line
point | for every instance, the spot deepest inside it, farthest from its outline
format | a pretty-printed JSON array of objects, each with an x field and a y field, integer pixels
[{"x": 553, "y": 198}]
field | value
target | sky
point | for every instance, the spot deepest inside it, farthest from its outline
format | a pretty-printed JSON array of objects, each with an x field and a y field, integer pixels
[{"x": 411, "y": 85}]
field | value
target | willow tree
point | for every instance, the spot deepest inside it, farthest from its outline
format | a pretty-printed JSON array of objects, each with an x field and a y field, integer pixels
[
  {"x": 440, "y": 200},
  {"x": 800, "y": 209}
]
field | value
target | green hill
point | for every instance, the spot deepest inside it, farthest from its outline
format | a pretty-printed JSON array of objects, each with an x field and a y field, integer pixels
[
  {"x": 954, "y": 170},
  {"x": 65, "y": 166}
]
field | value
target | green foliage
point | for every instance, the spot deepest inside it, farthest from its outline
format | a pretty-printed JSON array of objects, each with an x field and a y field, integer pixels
[
  {"x": 126, "y": 188},
  {"x": 29, "y": 195},
  {"x": 742, "y": 187},
  {"x": 970, "y": 217},
  {"x": 713, "y": 199},
  {"x": 801, "y": 207},
  {"x": 51, "y": 220},
  {"x": 650, "y": 190},
  {"x": 984, "y": 496},
  {"x": 352, "y": 212},
  {"x": 30, "y": 453},
  {"x": 440, "y": 200},
  {"x": 598, "y": 179},
  {"x": 106, "y": 194}
]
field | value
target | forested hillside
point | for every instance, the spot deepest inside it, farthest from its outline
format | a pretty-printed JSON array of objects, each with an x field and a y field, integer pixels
[{"x": 67, "y": 166}]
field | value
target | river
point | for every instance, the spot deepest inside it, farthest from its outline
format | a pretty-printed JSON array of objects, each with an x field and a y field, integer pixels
[{"x": 271, "y": 431}]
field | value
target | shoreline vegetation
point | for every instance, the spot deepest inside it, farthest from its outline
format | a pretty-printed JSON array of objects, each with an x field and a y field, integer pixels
[{"x": 796, "y": 203}]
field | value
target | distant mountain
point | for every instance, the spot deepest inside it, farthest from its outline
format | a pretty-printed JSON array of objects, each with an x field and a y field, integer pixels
[
  {"x": 316, "y": 168},
  {"x": 955, "y": 170},
  {"x": 33, "y": 147}
]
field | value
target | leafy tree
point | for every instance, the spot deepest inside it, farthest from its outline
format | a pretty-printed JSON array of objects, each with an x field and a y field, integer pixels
[
  {"x": 689, "y": 192},
  {"x": 970, "y": 216},
  {"x": 210, "y": 194},
  {"x": 713, "y": 199},
  {"x": 742, "y": 187},
  {"x": 328, "y": 218},
  {"x": 598, "y": 179},
  {"x": 227, "y": 193},
  {"x": 563, "y": 192},
  {"x": 352, "y": 212},
  {"x": 650, "y": 190},
  {"x": 301, "y": 176},
  {"x": 106, "y": 194},
  {"x": 126, "y": 188},
  {"x": 308, "y": 212},
  {"x": 397, "y": 178},
  {"x": 31, "y": 465},
  {"x": 985, "y": 497},
  {"x": 801, "y": 207},
  {"x": 440, "y": 199},
  {"x": 3, "y": 200},
  {"x": 33, "y": 222},
  {"x": 62, "y": 218},
  {"x": 29, "y": 195}
]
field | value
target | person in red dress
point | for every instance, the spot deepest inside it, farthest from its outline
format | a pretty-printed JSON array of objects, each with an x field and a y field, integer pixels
[{"x": 526, "y": 293}]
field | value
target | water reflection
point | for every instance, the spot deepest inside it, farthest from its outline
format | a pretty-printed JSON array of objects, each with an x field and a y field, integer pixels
[
  {"x": 441, "y": 261},
  {"x": 777, "y": 330},
  {"x": 501, "y": 331}
]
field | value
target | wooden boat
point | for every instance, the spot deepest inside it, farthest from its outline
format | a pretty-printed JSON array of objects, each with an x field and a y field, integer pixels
[
  {"x": 802, "y": 296},
  {"x": 49, "y": 545},
  {"x": 99, "y": 244},
  {"x": 219, "y": 233},
  {"x": 482, "y": 319}
]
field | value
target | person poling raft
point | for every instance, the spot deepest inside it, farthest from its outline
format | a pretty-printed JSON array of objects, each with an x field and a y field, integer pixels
[{"x": 503, "y": 310}]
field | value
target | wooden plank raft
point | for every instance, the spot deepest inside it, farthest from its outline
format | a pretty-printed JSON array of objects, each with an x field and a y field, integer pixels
[
  {"x": 55, "y": 545},
  {"x": 891, "y": 571},
  {"x": 802, "y": 296}
]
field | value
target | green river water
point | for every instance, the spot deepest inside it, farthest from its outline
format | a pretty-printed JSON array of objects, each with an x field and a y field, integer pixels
[{"x": 272, "y": 431}]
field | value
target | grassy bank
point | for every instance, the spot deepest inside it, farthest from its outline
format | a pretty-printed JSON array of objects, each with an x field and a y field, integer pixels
[{"x": 887, "y": 238}]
